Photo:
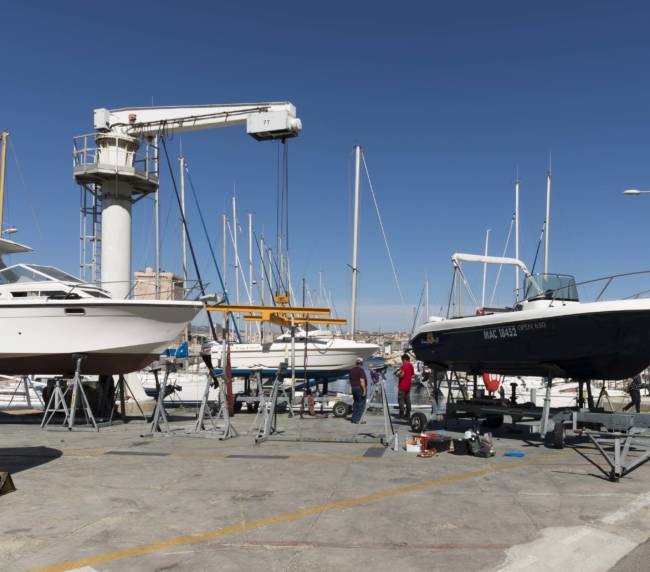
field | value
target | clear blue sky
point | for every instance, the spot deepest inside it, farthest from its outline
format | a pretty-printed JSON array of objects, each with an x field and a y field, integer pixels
[{"x": 447, "y": 99}]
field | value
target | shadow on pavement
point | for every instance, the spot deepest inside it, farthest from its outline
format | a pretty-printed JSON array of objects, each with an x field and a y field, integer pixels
[{"x": 17, "y": 459}]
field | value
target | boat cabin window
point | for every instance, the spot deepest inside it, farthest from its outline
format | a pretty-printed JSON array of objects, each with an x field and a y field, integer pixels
[
  {"x": 21, "y": 273},
  {"x": 34, "y": 273},
  {"x": 53, "y": 294},
  {"x": 55, "y": 273},
  {"x": 551, "y": 287},
  {"x": 96, "y": 294}
]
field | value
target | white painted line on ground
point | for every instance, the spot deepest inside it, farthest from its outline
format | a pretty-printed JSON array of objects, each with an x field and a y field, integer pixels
[
  {"x": 638, "y": 504},
  {"x": 576, "y": 547}
]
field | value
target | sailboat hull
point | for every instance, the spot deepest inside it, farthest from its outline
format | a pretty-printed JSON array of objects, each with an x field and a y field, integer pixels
[
  {"x": 323, "y": 358},
  {"x": 599, "y": 344}
]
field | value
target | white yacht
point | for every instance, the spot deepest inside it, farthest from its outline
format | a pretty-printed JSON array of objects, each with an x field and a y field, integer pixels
[
  {"x": 325, "y": 356},
  {"x": 47, "y": 315}
]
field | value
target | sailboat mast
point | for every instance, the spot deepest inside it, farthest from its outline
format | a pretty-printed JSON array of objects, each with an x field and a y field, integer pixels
[
  {"x": 234, "y": 242},
  {"x": 224, "y": 253},
  {"x": 156, "y": 217},
  {"x": 270, "y": 271},
  {"x": 426, "y": 299},
  {"x": 547, "y": 226},
  {"x": 355, "y": 238},
  {"x": 250, "y": 257},
  {"x": 3, "y": 171},
  {"x": 517, "y": 237},
  {"x": 181, "y": 164}
]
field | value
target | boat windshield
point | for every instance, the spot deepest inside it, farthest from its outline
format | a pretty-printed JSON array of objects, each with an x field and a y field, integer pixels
[
  {"x": 56, "y": 273},
  {"x": 34, "y": 273},
  {"x": 551, "y": 287}
]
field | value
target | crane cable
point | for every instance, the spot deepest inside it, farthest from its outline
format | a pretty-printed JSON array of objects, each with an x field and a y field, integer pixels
[
  {"x": 383, "y": 232},
  {"x": 207, "y": 238},
  {"x": 189, "y": 239}
]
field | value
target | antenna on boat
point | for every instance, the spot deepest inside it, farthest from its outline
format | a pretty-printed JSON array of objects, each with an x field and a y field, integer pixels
[{"x": 548, "y": 214}]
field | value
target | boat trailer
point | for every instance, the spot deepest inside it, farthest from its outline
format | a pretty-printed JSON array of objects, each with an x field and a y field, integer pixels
[{"x": 615, "y": 434}]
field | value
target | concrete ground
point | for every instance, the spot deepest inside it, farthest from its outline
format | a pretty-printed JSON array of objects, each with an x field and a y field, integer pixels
[{"x": 114, "y": 500}]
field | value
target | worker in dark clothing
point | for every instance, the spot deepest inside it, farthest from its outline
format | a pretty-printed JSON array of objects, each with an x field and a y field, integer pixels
[
  {"x": 358, "y": 383},
  {"x": 405, "y": 377},
  {"x": 634, "y": 389}
]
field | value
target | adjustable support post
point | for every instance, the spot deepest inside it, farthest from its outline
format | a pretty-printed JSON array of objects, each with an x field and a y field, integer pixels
[
  {"x": 57, "y": 403},
  {"x": 378, "y": 389},
  {"x": 228, "y": 431},
  {"x": 547, "y": 407},
  {"x": 619, "y": 463},
  {"x": 160, "y": 415},
  {"x": 26, "y": 383},
  {"x": 122, "y": 384},
  {"x": 269, "y": 419}
]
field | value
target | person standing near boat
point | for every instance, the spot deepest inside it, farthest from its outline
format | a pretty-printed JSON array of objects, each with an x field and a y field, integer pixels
[
  {"x": 358, "y": 384},
  {"x": 634, "y": 389},
  {"x": 405, "y": 377}
]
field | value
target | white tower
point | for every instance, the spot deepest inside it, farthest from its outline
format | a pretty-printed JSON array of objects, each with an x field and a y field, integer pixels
[{"x": 121, "y": 162}]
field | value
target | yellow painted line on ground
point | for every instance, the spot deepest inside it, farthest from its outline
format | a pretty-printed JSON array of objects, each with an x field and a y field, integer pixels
[{"x": 240, "y": 527}]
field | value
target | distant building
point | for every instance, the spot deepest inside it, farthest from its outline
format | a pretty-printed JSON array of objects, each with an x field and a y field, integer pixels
[{"x": 171, "y": 285}]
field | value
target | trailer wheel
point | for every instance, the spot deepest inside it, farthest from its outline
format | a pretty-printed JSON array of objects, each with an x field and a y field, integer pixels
[
  {"x": 340, "y": 409},
  {"x": 558, "y": 436},
  {"x": 252, "y": 406},
  {"x": 419, "y": 422}
]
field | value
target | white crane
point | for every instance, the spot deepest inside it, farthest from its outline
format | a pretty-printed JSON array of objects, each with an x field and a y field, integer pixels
[{"x": 113, "y": 160}]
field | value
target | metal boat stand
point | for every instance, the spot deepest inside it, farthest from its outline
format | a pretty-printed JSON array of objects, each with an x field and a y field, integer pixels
[
  {"x": 620, "y": 463},
  {"x": 223, "y": 414},
  {"x": 159, "y": 421},
  {"x": 262, "y": 404},
  {"x": 57, "y": 404},
  {"x": 620, "y": 433},
  {"x": 377, "y": 393},
  {"x": 27, "y": 384},
  {"x": 267, "y": 414},
  {"x": 121, "y": 385}
]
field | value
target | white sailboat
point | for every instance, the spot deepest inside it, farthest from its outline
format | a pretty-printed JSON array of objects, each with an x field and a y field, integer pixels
[{"x": 319, "y": 353}]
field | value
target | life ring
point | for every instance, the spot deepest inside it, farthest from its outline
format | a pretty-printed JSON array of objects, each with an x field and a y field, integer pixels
[{"x": 492, "y": 383}]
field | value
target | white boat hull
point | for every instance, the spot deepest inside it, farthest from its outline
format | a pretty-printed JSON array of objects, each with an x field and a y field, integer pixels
[
  {"x": 326, "y": 356},
  {"x": 116, "y": 337}
]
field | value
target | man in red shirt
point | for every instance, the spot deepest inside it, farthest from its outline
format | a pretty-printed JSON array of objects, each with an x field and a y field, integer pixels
[{"x": 405, "y": 377}]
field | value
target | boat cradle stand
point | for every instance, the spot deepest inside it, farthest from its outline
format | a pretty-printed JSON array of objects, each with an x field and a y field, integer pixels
[
  {"x": 26, "y": 384},
  {"x": 159, "y": 420},
  {"x": 266, "y": 419},
  {"x": 57, "y": 401},
  {"x": 376, "y": 398},
  {"x": 620, "y": 433},
  {"x": 215, "y": 378}
]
